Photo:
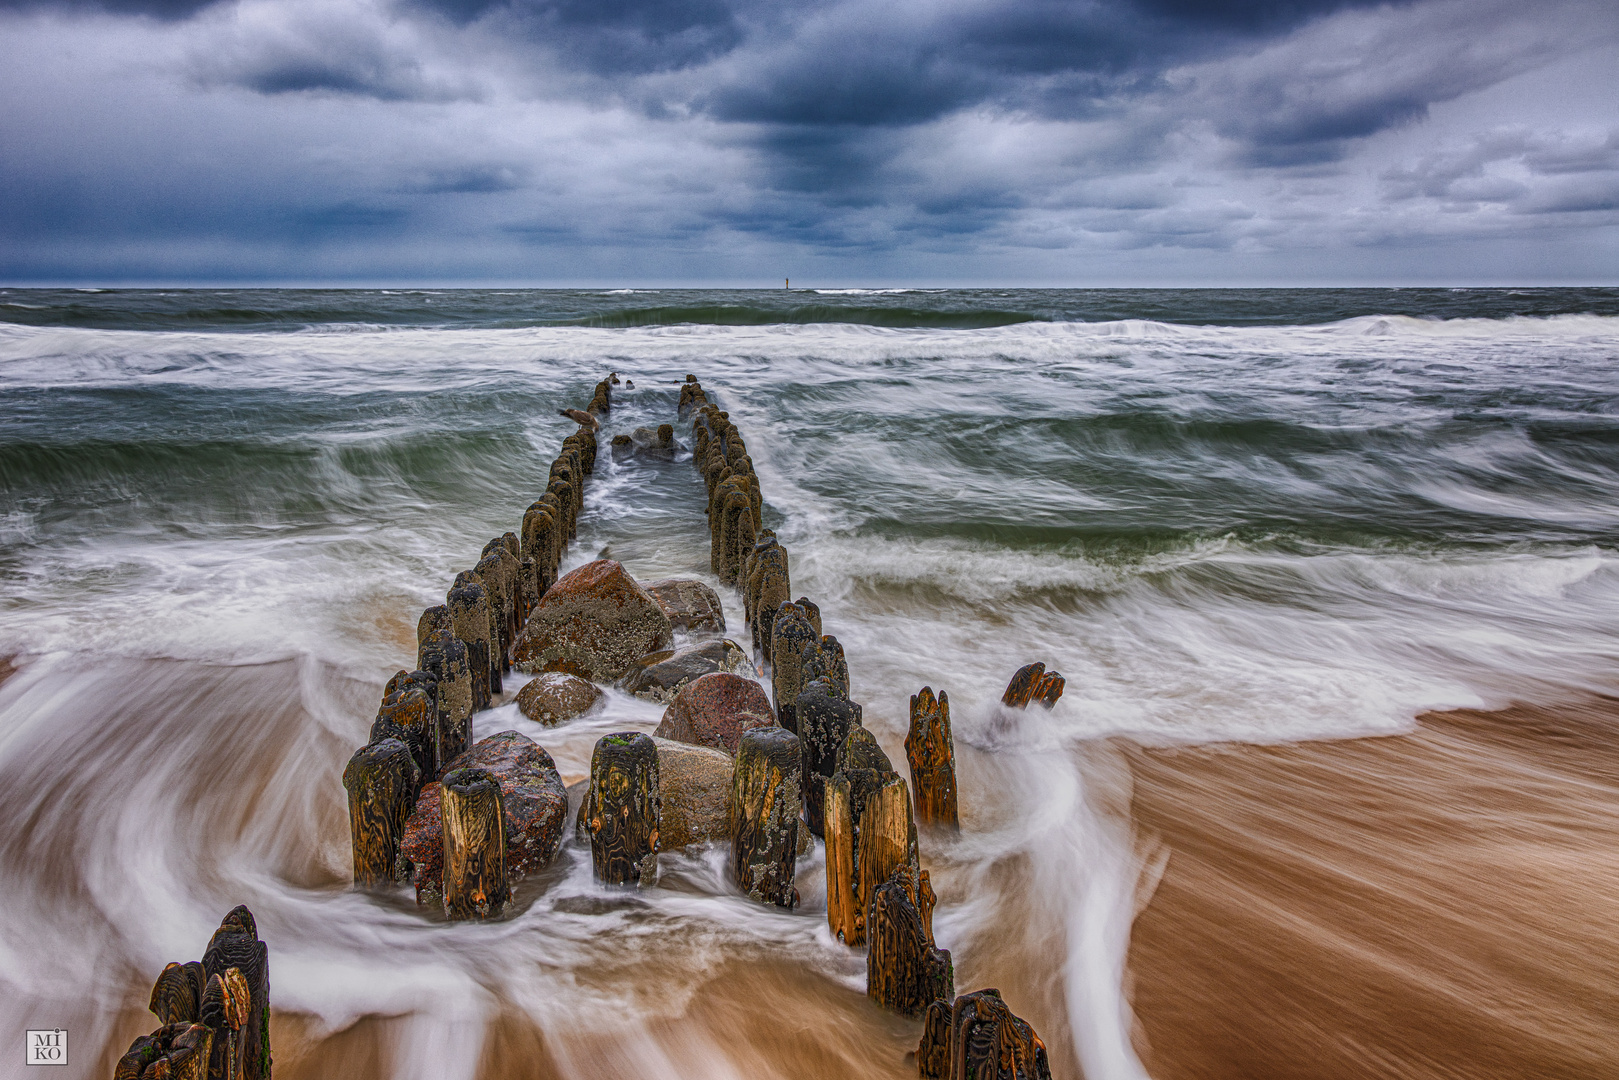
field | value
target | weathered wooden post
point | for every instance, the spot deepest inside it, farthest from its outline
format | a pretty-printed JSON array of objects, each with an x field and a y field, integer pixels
[
  {"x": 825, "y": 718},
  {"x": 469, "y": 610},
  {"x": 1033, "y": 682},
  {"x": 932, "y": 757},
  {"x": 885, "y": 841},
  {"x": 382, "y": 779},
  {"x": 987, "y": 1039},
  {"x": 177, "y": 1051},
  {"x": 236, "y": 944},
  {"x": 842, "y": 912},
  {"x": 226, "y": 1005},
  {"x": 933, "y": 1052},
  {"x": 765, "y": 803},
  {"x": 904, "y": 969},
  {"x": 409, "y": 715},
  {"x": 474, "y": 845},
  {"x": 444, "y": 656},
  {"x": 177, "y": 994},
  {"x": 623, "y": 809},
  {"x": 792, "y": 639},
  {"x": 433, "y": 620}
]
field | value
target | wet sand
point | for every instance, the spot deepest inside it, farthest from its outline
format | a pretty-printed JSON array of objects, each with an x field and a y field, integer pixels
[{"x": 1439, "y": 904}]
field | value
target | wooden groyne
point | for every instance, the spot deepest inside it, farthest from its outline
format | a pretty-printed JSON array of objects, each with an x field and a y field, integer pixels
[{"x": 759, "y": 768}]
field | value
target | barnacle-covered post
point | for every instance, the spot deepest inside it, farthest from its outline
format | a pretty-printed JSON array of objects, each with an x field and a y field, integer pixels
[
  {"x": 444, "y": 656},
  {"x": 825, "y": 718},
  {"x": 623, "y": 810},
  {"x": 381, "y": 779},
  {"x": 469, "y": 611},
  {"x": 765, "y": 804},
  {"x": 793, "y": 639},
  {"x": 932, "y": 757},
  {"x": 474, "y": 845}
]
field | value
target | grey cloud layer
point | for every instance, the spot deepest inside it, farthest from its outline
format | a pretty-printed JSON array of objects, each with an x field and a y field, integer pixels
[{"x": 711, "y": 138}]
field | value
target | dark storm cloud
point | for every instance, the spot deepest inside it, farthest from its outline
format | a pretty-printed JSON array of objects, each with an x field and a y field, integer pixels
[{"x": 509, "y": 135}]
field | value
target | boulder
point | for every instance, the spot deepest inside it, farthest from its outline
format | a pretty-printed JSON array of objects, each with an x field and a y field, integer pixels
[
  {"x": 714, "y": 710},
  {"x": 659, "y": 676},
  {"x": 595, "y": 623},
  {"x": 533, "y": 798},
  {"x": 645, "y": 442},
  {"x": 695, "y": 783},
  {"x": 552, "y": 697},
  {"x": 690, "y": 605}
]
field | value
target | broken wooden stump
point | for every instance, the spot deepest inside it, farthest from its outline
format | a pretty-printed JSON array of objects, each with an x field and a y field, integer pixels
[
  {"x": 977, "y": 1036},
  {"x": 381, "y": 779},
  {"x": 236, "y": 945},
  {"x": 474, "y": 845},
  {"x": 932, "y": 758},
  {"x": 904, "y": 969},
  {"x": 765, "y": 803},
  {"x": 410, "y": 715},
  {"x": 433, "y": 620},
  {"x": 1033, "y": 683},
  {"x": 622, "y": 809},
  {"x": 177, "y": 994},
  {"x": 226, "y": 1008},
  {"x": 177, "y": 1051}
]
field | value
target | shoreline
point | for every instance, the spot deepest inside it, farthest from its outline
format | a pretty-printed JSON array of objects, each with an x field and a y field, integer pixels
[{"x": 1434, "y": 904}]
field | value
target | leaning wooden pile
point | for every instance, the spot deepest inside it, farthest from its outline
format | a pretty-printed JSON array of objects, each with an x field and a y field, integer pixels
[{"x": 215, "y": 1014}]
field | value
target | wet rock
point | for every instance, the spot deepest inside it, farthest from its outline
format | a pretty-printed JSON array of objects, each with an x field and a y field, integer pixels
[
  {"x": 554, "y": 697},
  {"x": 595, "y": 623},
  {"x": 690, "y": 605},
  {"x": 659, "y": 676},
  {"x": 714, "y": 710},
  {"x": 644, "y": 442},
  {"x": 534, "y": 802},
  {"x": 695, "y": 784}
]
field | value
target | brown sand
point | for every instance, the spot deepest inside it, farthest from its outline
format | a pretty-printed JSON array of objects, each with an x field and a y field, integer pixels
[{"x": 1440, "y": 904}]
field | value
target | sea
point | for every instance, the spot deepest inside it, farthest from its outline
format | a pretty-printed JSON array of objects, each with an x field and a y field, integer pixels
[{"x": 1228, "y": 518}]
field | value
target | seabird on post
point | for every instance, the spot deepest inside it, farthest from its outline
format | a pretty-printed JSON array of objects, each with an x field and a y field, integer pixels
[{"x": 580, "y": 417}]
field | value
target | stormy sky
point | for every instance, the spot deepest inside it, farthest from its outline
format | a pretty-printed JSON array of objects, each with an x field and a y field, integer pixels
[{"x": 973, "y": 142}]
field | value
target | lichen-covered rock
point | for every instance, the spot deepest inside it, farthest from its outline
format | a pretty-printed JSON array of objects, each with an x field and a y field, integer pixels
[
  {"x": 714, "y": 710},
  {"x": 595, "y": 623},
  {"x": 554, "y": 696},
  {"x": 532, "y": 795},
  {"x": 690, "y": 605},
  {"x": 659, "y": 676},
  {"x": 695, "y": 784}
]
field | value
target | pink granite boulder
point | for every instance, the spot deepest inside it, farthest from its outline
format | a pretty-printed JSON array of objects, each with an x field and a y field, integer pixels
[
  {"x": 714, "y": 710},
  {"x": 533, "y": 799},
  {"x": 595, "y": 622}
]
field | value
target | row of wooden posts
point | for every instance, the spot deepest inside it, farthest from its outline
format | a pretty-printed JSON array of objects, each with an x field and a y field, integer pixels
[
  {"x": 464, "y": 648},
  {"x": 877, "y": 892}
]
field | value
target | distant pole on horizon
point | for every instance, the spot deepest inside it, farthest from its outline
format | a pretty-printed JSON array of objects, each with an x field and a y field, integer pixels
[{"x": 787, "y": 283}]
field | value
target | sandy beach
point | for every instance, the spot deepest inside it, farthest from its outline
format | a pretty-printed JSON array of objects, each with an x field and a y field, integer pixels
[{"x": 1439, "y": 904}]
